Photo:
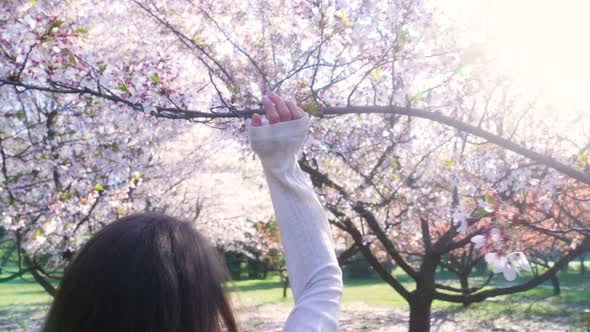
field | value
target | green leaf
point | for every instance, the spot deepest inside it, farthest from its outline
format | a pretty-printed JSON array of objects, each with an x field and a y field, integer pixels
[
  {"x": 375, "y": 72},
  {"x": 115, "y": 146},
  {"x": 344, "y": 19},
  {"x": 201, "y": 42},
  {"x": 38, "y": 233},
  {"x": 156, "y": 78},
  {"x": 583, "y": 157},
  {"x": 395, "y": 164},
  {"x": 99, "y": 153},
  {"x": 123, "y": 87},
  {"x": 15, "y": 178},
  {"x": 489, "y": 199},
  {"x": 81, "y": 31},
  {"x": 403, "y": 35},
  {"x": 450, "y": 162},
  {"x": 68, "y": 196},
  {"x": 47, "y": 39},
  {"x": 55, "y": 24},
  {"x": 35, "y": 2},
  {"x": 73, "y": 59},
  {"x": 20, "y": 114},
  {"x": 313, "y": 106},
  {"x": 99, "y": 187},
  {"x": 479, "y": 213},
  {"x": 102, "y": 68}
]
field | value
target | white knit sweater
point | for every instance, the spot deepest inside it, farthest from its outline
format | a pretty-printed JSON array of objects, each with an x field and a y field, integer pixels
[{"x": 314, "y": 274}]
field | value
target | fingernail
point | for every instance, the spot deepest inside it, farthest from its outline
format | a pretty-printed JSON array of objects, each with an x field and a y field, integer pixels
[{"x": 274, "y": 94}]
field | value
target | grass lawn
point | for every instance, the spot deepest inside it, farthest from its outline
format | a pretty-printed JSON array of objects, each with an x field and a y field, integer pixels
[
  {"x": 373, "y": 291},
  {"x": 22, "y": 299},
  {"x": 538, "y": 303}
]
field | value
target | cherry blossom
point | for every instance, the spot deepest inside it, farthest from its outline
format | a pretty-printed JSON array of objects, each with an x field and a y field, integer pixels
[{"x": 509, "y": 265}]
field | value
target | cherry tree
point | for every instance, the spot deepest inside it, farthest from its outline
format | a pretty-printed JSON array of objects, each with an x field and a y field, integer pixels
[
  {"x": 424, "y": 149},
  {"x": 67, "y": 167},
  {"x": 450, "y": 205},
  {"x": 269, "y": 252}
]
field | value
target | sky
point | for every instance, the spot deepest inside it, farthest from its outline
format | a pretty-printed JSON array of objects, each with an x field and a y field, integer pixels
[{"x": 542, "y": 44}]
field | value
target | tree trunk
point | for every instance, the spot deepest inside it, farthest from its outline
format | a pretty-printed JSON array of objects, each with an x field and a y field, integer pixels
[
  {"x": 555, "y": 283},
  {"x": 464, "y": 280},
  {"x": 285, "y": 286},
  {"x": 582, "y": 266},
  {"x": 420, "y": 310},
  {"x": 421, "y": 298},
  {"x": 47, "y": 286},
  {"x": 8, "y": 253},
  {"x": 284, "y": 282},
  {"x": 481, "y": 266}
]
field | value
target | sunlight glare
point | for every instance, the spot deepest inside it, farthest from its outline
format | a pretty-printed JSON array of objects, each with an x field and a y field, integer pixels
[{"x": 542, "y": 45}]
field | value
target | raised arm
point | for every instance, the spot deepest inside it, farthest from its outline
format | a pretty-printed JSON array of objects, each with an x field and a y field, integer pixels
[{"x": 314, "y": 274}]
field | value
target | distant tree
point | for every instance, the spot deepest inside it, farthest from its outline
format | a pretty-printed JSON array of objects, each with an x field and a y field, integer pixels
[{"x": 268, "y": 250}]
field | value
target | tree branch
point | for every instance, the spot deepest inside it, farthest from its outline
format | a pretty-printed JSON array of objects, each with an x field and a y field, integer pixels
[
  {"x": 177, "y": 113},
  {"x": 481, "y": 296}
]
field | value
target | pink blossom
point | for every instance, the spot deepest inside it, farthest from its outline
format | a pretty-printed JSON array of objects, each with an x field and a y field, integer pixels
[{"x": 509, "y": 265}]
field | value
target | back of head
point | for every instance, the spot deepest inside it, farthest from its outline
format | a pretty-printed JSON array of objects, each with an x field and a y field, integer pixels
[{"x": 145, "y": 272}]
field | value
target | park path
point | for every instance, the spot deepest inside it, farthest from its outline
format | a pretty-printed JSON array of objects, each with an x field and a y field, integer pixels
[{"x": 358, "y": 317}]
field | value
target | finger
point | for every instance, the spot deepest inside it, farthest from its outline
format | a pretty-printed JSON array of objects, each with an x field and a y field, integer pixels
[
  {"x": 269, "y": 108},
  {"x": 283, "y": 110},
  {"x": 256, "y": 120},
  {"x": 296, "y": 112}
]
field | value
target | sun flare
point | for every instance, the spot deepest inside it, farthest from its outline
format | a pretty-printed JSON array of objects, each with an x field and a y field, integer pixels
[{"x": 542, "y": 45}]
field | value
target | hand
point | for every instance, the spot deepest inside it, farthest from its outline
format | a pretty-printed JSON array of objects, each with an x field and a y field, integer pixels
[{"x": 277, "y": 109}]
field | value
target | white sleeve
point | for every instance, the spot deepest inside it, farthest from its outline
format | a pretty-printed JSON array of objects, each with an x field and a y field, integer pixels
[{"x": 314, "y": 274}]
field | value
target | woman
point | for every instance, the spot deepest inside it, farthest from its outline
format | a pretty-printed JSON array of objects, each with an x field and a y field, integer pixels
[{"x": 151, "y": 272}]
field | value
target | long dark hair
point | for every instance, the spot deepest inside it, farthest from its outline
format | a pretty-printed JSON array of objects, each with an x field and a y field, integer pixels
[{"x": 145, "y": 272}]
